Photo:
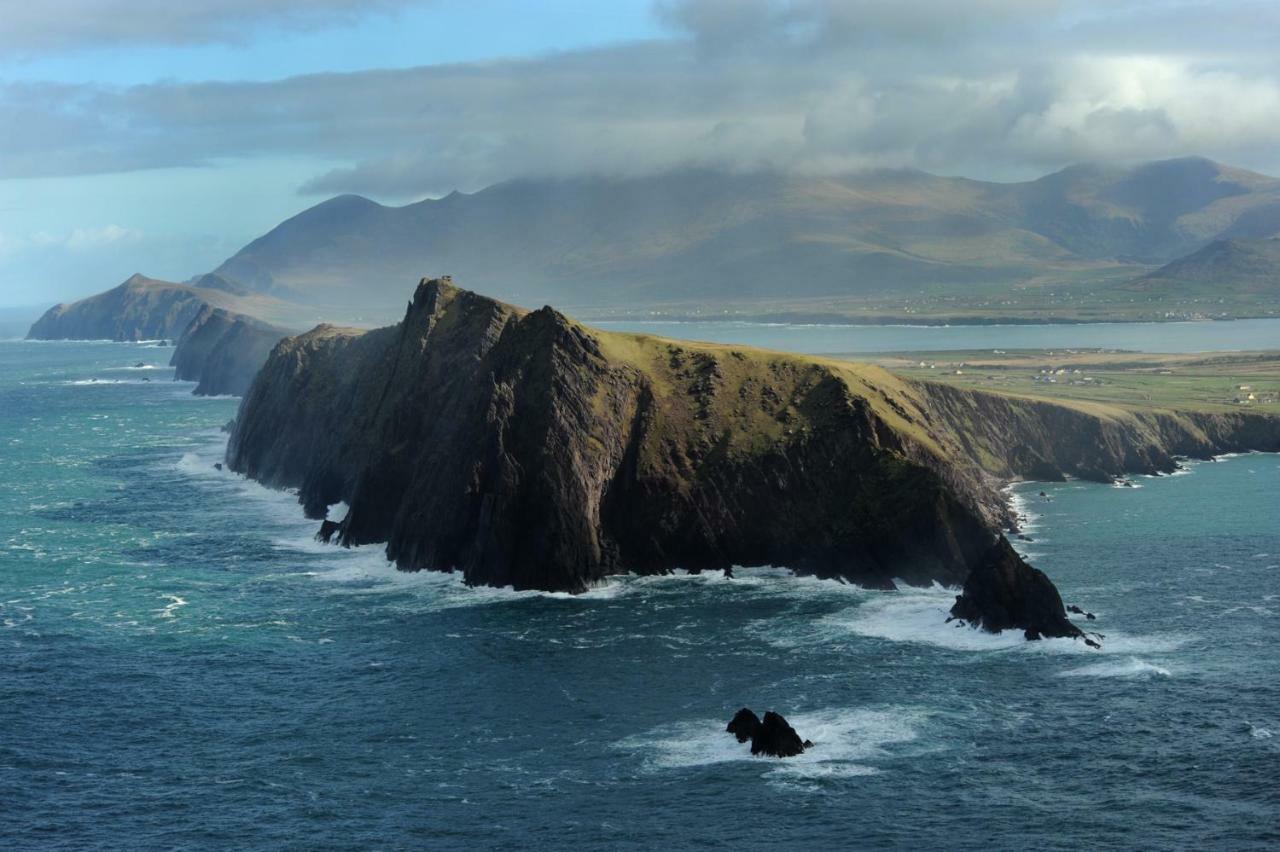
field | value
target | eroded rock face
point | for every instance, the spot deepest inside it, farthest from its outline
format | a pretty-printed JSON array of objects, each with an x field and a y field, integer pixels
[
  {"x": 523, "y": 449},
  {"x": 771, "y": 737},
  {"x": 222, "y": 351},
  {"x": 744, "y": 725},
  {"x": 776, "y": 738},
  {"x": 1003, "y": 593}
]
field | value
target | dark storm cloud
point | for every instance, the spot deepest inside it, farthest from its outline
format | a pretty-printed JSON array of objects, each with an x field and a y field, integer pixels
[{"x": 988, "y": 88}]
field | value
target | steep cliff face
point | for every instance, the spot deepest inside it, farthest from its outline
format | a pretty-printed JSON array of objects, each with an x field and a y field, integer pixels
[
  {"x": 524, "y": 449},
  {"x": 219, "y": 348},
  {"x": 1019, "y": 438},
  {"x": 222, "y": 351},
  {"x": 139, "y": 309}
]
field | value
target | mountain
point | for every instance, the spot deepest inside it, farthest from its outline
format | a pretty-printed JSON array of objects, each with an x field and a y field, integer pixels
[
  {"x": 1235, "y": 267},
  {"x": 525, "y": 449},
  {"x": 707, "y": 237}
]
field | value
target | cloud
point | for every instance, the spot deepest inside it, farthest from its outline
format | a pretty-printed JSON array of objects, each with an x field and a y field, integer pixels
[
  {"x": 77, "y": 240},
  {"x": 993, "y": 88},
  {"x": 57, "y": 25}
]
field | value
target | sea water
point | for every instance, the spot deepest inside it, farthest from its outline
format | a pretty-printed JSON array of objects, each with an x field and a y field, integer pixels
[{"x": 183, "y": 666}]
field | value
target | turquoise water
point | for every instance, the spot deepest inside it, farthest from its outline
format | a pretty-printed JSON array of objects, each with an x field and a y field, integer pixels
[
  {"x": 182, "y": 666},
  {"x": 1139, "y": 336}
]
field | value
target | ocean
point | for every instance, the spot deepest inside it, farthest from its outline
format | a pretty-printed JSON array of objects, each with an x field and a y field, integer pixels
[{"x": 183, "y": 667}]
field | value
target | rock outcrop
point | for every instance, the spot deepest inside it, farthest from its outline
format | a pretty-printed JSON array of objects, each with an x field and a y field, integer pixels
[
  {"x": 776, "y": 738},
  {"x": 222, "y": 351},
  {"x": 771, "y": 737},
  {"x": 1004, "y": 593},
  {"x": 523, "y": 449},
  {"x": 218, "y": 347},
  {"x": 744, "y": 724}
]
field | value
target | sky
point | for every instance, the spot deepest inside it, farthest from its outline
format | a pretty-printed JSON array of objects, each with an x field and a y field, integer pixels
[{"x": 161, "y": 136}]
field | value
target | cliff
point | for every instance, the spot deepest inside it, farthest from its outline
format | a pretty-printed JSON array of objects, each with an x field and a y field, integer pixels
[
  {"x": 222, "y": 351},
  {"x": 141, "y": 308},
  {"x": 524, "y": 449},
  {"x": 217, "y": 346}
]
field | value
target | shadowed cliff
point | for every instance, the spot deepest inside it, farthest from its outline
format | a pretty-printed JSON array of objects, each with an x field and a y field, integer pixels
[
  {"x": 523, "y": 449},
  {"x": 217, "y": 346}
]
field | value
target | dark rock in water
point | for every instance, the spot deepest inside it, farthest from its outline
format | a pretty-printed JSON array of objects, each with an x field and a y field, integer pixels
[
  {"x": 1042, "y": 494},
  {"x": 1005, "y": 593},
  {"x": 776, "y": 738},
  {"x": 217, "y": 465},
  {"x": 228, "y": 426},
  {"x": 1075, "y": 610},
  {"x": 1022, "y": 537},
  {"x": 139, "y": 365},
  {"x": 744, "y": 725},
  {"x": 328, "y": 529}
]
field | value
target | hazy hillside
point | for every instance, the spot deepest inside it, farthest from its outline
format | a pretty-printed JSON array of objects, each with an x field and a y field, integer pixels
[
  {"x": 707, "y": 236},
  {"x": 1224, "y": 267}
]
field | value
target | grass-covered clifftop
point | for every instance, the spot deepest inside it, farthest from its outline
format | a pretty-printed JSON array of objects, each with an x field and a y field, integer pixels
[{"x": 525, "y": 449}]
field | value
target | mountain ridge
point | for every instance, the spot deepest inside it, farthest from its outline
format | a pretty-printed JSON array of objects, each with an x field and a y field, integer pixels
[{"x": 706, "y": 235}]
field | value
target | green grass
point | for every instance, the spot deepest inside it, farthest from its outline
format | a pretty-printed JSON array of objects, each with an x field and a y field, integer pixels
[{"x": 1134, "y": 381}]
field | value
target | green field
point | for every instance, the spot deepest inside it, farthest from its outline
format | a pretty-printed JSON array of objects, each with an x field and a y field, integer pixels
[{"x": 1237, "y": 381}]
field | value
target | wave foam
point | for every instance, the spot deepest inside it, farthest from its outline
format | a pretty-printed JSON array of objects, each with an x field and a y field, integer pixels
[
  {"x": 845, "y": 742},
  {"x": 1130, "y": 668},
  {"x": 919, "y": 615}
]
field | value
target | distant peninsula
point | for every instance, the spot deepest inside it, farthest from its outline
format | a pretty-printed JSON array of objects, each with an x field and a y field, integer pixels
[{"x": 219, "y": 344}]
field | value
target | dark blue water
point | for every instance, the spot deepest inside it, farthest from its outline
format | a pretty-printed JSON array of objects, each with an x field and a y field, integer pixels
[{"x": 181, "y": 666}]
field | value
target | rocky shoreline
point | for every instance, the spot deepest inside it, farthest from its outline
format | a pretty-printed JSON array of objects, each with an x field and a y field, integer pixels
[{"x": 523, "y": 449}]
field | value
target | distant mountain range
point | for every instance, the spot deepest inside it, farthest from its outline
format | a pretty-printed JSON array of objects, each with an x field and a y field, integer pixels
[
  {"x": 1166, "y": 240},
  {"x": 706, "y": 237}
]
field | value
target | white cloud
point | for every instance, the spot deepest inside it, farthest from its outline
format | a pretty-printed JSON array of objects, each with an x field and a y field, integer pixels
[
  {"x": 77, "y": 240},
  {"x": 997, "y": 89}
]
